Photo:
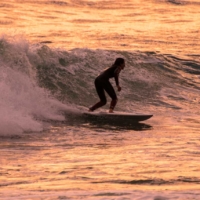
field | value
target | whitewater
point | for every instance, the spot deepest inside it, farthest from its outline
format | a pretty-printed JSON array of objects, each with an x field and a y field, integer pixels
[{"x": 50, "y": 54}]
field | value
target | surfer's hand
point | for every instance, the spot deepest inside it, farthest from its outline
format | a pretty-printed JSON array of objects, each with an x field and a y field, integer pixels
[{"x": 119, "y": 88}]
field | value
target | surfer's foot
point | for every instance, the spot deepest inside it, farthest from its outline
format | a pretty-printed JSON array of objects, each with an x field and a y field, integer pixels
[{"x": 110, "y": 110}]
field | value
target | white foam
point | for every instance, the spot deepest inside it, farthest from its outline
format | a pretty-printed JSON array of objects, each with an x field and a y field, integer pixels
[{"x": 23, "y": 103}]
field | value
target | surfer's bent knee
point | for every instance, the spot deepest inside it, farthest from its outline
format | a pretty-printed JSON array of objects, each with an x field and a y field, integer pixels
[{"x": 104, "y": 102}]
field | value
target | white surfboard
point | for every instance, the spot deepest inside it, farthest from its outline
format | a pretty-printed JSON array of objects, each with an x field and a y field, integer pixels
[{"x": 117, "y": 116}]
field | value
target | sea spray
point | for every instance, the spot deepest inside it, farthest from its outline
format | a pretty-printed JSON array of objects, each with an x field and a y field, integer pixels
[{"x": 24, "y": 105}]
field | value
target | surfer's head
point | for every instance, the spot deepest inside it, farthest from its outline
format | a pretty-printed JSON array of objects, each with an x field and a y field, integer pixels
[{"x": 120, "y": 62}]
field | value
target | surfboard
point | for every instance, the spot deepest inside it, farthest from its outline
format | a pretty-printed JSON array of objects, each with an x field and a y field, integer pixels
[{"x": 118, "y": 116}]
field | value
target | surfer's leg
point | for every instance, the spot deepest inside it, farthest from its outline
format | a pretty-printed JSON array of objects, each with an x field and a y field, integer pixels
[
  {"x": 112, "y": 105},
  {"x": 111, "y": 92},
  {"x": 100, "y": 91}
]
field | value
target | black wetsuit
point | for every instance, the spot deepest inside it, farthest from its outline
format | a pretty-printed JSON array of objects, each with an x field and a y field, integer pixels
[{"x": 102, "y": 83}]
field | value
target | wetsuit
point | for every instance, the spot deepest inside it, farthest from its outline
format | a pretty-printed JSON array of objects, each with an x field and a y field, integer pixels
[{"x": 102, "y": 83}]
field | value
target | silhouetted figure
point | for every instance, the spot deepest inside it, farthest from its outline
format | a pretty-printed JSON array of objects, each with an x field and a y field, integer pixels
[{"x": 102, "y": 84}]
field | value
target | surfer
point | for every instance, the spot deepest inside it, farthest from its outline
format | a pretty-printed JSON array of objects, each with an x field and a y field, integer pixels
[{"x": 102, "y": 84}]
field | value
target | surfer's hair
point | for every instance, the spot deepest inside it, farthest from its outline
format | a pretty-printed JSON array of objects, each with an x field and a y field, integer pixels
[{"x": 119, "y": 61}]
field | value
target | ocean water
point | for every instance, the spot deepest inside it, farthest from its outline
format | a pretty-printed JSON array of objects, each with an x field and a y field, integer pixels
[{"x": 50, "y": 54}]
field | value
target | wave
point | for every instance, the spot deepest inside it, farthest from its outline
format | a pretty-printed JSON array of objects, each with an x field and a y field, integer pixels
[
  {"x": 175, "y": 2},
  {"x": 38, "y": 83},
  {"x": 153, "y": 181},
  {"x": 23, "y": 103}
]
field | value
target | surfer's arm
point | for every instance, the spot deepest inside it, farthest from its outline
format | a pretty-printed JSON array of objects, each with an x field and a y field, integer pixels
[{"x": 116, "y": 75}]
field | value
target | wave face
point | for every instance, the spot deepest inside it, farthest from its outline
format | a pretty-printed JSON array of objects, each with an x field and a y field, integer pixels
[{"x": 38, "y": 83}]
